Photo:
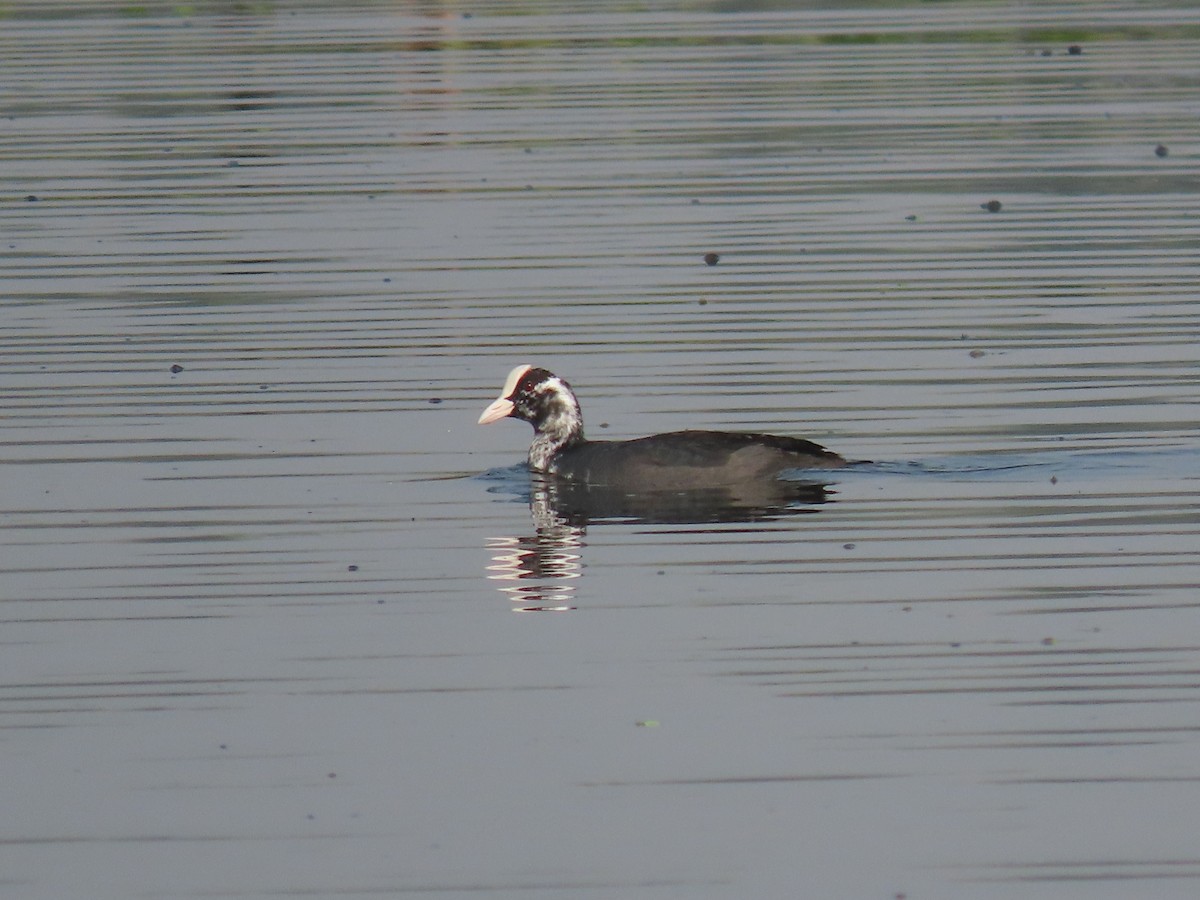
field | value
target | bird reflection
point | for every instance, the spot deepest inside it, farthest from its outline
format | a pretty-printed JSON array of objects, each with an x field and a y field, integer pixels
[
  {"x": 537, "y": 569},
  {"x": 580, "y": 504}
]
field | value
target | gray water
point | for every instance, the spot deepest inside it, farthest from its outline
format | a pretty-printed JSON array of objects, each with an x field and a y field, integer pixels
[{"x": 285, "y": 622}]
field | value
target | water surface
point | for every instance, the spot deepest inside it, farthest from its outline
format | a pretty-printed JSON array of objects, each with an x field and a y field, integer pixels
[{"x": 280, "y": 620}]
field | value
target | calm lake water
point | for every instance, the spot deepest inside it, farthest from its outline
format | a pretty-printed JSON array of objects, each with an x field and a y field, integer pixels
[{"x": 280, "y": 620}]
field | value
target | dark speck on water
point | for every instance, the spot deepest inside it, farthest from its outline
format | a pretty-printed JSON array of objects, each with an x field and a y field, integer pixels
[
  {"x": 712, "y": 258},
  {"x": 434, "y": 401},
  {"x": 1075, "y": 50},
  {"x": 176, "y": 369},
  {"x": 992, "y": 206},
  {"x": 1161, "y": 150}
]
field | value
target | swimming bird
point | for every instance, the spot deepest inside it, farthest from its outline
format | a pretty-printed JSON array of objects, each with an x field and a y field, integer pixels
[{"x": 678, "y": 460}]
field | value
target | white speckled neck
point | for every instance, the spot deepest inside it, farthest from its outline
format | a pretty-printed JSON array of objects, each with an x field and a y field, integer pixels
[{"x": 560, "y": 425}]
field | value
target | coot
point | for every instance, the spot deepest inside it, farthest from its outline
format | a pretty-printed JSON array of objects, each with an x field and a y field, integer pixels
[{"x": 680, "y": 460}]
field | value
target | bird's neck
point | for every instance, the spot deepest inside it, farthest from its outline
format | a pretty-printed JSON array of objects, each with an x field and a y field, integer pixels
[{"x": 560, "y": 429}]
